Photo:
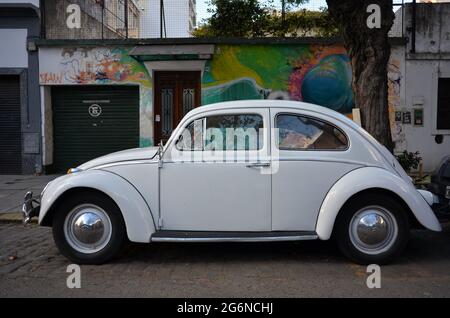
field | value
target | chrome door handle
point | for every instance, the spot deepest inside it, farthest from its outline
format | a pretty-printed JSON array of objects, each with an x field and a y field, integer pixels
[{"x": 258, "y": 165}]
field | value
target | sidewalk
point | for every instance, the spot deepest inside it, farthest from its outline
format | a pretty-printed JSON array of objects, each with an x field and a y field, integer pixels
[{"x": 14, "y": 187}]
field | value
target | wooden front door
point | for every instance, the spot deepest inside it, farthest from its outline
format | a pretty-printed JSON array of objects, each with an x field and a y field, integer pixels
[{"x": 176, "y": 93}]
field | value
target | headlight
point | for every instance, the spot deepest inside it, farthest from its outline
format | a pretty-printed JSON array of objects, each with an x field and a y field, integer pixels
[{"x": 73, "y": 170}]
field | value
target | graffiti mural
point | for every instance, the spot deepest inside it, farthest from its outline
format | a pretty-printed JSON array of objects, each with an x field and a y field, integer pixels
[
  {"x": 395, "y": 78},
  {"x": 88, "y": 66},
  {"x": 319, "y": 74}
]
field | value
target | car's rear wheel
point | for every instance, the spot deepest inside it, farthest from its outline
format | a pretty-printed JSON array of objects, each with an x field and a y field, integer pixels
[
  {"x": 372, "y": 228},
  {"x": 88, "y": 228}
]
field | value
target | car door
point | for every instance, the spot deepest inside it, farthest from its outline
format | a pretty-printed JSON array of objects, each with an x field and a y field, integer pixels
[
  {"x": 309, "y": 154},
  {"x": 214, "y": 181}
]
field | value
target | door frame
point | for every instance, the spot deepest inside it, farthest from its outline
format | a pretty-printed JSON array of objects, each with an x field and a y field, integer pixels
[
  {"x": 183, "y": 221},
  {"x": 157, "y": 98}
]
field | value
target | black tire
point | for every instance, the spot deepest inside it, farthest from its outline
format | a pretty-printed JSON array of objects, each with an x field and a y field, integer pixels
[
  {"x": 343, "y": 223},
  {"x": 118, "y": 233}
]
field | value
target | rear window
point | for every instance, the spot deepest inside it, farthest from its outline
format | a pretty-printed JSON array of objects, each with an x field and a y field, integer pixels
[{"x": 305, "y": 133}]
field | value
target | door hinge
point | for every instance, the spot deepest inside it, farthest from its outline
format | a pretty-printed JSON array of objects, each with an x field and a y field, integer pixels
[{"x": 160, "y": 223}]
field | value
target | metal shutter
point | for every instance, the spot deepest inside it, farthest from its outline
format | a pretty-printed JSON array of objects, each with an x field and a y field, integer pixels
[
  {"x": 10, "y": 126},
  {"x": 80, "y": 136}
]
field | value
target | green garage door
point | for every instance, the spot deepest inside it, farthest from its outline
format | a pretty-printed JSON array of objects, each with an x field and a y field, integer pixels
[{"x": 92, "y": 121}]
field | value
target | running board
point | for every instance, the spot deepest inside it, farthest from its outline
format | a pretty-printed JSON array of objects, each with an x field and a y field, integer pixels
[{"x": 196, "y": 236}]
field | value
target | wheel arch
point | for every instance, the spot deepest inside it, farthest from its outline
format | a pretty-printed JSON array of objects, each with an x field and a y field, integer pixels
[
  {"x": 48, "y": 217},
  {"x": 413, "y": 222},
  {"x": 377, "y": 180},
  {"x": 138, "y": 217}
]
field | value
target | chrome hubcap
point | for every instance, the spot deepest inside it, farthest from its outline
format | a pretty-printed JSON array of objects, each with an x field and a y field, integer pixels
[
  {"x": 87, "y": 228},
  {"x": 373, "y": 230}
]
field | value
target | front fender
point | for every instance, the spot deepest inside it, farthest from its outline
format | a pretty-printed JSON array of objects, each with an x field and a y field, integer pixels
[
  {"x": 368, "y": 178},
  {"x": 135, "y": 210}
]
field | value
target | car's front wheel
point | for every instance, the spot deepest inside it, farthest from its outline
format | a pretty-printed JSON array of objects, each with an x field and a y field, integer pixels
[
  {"x": 88, "y": 228},
  {"x": 372, "y": 229}
]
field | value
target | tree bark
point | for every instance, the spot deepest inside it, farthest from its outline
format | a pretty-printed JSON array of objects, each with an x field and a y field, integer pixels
[{"x": 369, "y": 51}]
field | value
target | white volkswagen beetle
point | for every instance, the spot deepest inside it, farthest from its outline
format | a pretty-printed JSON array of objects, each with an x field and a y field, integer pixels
[{"x": 263, "y": 170}]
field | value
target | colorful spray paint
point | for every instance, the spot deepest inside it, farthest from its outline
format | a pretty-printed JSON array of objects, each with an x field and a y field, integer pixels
[
  {"x": 92, "y": 66},
  {"x": 319, "y": 74},
  {"x": 310, "y": 73}
]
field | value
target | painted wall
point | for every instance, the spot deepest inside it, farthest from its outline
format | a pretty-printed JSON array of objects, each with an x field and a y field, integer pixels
[
  {"x": 396, "y": 96},
  {"x": 96, "y": 66},
  {"x": 316, "y": 74},
  {"x": 319, "y": 74},
  {"x": 310, "y": 73}
]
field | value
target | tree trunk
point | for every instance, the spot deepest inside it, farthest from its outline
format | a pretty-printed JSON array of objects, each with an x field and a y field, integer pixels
[{"x": 369, "y": 51}]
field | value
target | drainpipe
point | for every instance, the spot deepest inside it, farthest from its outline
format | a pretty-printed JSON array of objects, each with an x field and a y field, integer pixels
[
  {"x": 102, "y": 4},
  {"x": 413, "y": 28},
  {"x": 161, "y": 18},
  {"x": 283, "y": 16},
  {"x": 42, "y": 14},
  {"x": 126, "y": 19}
]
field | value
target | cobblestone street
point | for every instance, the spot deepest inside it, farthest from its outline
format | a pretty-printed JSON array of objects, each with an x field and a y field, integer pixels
[{"x": 30, "y": 265}]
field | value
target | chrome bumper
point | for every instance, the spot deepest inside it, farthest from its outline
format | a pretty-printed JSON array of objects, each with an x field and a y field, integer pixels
[
  {"x": 29, "y": 209},
  {"x": 439, "y": 204},
  {"x": 442, "y": 210}
]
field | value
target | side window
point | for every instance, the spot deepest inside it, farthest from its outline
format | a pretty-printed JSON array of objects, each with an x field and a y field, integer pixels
[
  {"x": 192, "y": 138},
  {"x": 223, "y": 133},
  {"x": 234, "y": 132},
  {"x": 304, "y": 133}
]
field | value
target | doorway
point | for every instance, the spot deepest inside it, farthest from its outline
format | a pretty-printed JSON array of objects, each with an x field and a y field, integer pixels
[{"x": 176, "y": 93}]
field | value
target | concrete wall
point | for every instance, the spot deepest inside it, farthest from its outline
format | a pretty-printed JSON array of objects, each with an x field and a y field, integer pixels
[
  {"x": 91, "y": 26},
  {"x": 421, "y": 93},
  {"x": 432, "y": 27}
]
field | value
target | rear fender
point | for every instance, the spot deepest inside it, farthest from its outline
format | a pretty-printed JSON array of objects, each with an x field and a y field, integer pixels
[{"x": 372, "y": 178}]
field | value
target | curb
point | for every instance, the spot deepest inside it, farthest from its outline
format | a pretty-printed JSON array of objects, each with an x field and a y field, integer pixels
[{"x": 15, "y": 217}]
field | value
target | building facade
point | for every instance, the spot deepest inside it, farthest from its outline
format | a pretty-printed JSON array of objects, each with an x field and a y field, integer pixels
[
  {"x": 421, "y": 74},
  {"x": 91, "y": 19},
  {"x": 91, "y": 97},
  {"x": 142, "y": 91},
  {"x": 179, "y": 18},
  {"x": 20, "y": 111}
]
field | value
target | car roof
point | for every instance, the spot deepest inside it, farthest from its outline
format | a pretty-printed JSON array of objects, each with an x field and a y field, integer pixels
[
  {"x": 344, "y": 121},
  {"x": 275, "y": 103}
]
